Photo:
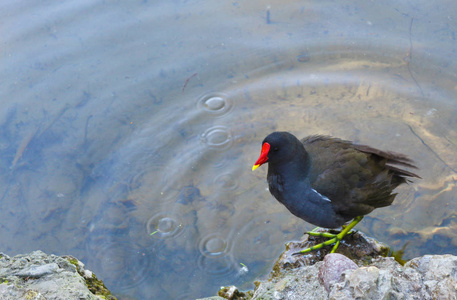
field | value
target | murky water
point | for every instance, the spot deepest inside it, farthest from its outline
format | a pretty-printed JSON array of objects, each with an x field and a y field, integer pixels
[{"x": 128, "y": 129}]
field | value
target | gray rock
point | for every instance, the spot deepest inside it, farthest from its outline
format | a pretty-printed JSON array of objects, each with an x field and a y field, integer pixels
[
  {"x": 332, "y": 269},
  {"x": 296, "y": 284},
  {"x": 40, "y": 276},
  {"x": 356, "y": 246},
  {"x": 38, "y": 271},
  {"x": 426, "y": 277},
  {"x": 368, "y": 276}
]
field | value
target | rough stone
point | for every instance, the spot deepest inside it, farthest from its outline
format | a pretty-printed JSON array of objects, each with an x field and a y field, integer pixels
[
  {"x": 38, "y": 271},
  {"x": 355, "y": 246},
  {"x": 40, "y": 276},
  {"x": 333, "y": 266},
  {"x": 369, "y": 275},
  {"x": 296, "y": 284},
  {"x": 232, "y": 293}
]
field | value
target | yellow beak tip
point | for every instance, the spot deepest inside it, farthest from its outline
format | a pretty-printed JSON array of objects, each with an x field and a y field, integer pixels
[{"x": 255, "y": 167}]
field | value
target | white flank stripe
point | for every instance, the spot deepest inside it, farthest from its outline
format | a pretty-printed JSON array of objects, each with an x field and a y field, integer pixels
[{"x": 322, "y": 196}]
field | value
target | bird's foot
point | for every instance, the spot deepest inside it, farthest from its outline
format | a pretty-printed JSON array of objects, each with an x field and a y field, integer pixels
[{"x": 333, "y": 238}]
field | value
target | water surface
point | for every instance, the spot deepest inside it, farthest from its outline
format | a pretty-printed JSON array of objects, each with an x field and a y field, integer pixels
[{"x": 128, "y": 130}]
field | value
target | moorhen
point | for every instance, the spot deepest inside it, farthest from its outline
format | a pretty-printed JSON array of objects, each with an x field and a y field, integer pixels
[{"x": 328, "y": 181}]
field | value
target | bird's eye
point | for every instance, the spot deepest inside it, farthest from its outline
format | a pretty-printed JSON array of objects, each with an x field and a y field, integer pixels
[{"x": 275, "y": 149}]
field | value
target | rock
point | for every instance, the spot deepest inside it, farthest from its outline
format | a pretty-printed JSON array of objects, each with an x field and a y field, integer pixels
[
  {"x": 40, "y": 276},
  {"x": 232, "y": 293},
  {"x": 38, "y": 271},
  {"x": 295, "y": 284},
  {"x": 427, "y": 277},
  {"x": 332, "y": 268},
  {"x": 439, "y": 274},
  {"x": 367, "y": 275},
  {"x": 355, "y": 246}
]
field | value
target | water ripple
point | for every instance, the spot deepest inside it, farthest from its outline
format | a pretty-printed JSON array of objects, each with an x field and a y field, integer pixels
[
  {"x": 215, "y": 103},
  {"x": 213, "y": 245},
  {"x": 226, "y": 181},
  {"x": 164, "y": 225},
  {"x": 219, "y": 266},
  {"x": 217, "y": 137}
]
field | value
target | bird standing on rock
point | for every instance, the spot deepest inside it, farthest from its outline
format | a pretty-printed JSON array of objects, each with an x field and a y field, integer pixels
[{"x": 328, "y": 182}]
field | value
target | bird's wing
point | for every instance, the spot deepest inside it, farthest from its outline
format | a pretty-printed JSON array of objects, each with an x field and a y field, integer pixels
[{"x": 357, "y": 179}]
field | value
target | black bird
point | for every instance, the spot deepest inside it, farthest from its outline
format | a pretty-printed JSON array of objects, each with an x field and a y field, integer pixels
[{"x": 328, "y": 181}]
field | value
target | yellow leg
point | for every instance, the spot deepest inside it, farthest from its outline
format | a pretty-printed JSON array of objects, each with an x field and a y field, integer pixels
[{"x": 334, "y": 238}]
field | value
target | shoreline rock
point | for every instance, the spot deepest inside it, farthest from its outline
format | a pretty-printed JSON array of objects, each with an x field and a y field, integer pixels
[
  {"x": 40, "y": 276},
  {"x": 363, "y": 272}
]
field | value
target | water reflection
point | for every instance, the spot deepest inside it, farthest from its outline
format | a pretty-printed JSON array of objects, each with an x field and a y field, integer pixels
[{"x": 128, "y": 130}]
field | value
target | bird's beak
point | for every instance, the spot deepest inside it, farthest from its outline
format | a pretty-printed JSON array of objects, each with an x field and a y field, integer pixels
[{"x": 263, "y": 158}]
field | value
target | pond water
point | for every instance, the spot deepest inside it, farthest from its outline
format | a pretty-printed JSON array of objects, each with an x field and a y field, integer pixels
[{"x": 128, "y": 129}]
